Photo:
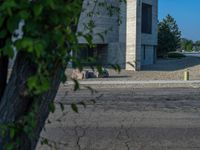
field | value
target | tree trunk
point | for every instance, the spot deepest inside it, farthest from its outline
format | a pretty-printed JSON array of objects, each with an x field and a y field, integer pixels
[
  {"x": 15, "y": 104},
  {"x": 3, "y": 74},
  {"x": 4, "y": 60}
]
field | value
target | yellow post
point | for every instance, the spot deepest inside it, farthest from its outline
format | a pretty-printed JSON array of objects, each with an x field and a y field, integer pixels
[{"x": 186, "y": 75}]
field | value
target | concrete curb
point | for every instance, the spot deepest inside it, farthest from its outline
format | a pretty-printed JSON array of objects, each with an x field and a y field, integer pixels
[
  {"x": 136, "y": 82},
  {"x": 139, "y": 84}
]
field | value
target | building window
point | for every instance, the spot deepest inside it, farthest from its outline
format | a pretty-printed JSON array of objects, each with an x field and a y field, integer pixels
[
  {"x": 155, "y": 54},
  {"x": 92, "y": 56},
  {"x": 144, "y": 52},
  {"x": 146, "y": 18}
]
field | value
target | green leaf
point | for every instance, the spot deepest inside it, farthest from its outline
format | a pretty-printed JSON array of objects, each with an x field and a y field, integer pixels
[
  {"x": 12, "y": 23},
  {"x": 52, "y": 107},
  {"x": 59, "y": 37},
  {"x": 131, "y": 64},
  {"x": 9, "y": 146},
  {"x": 50, "y": 3},
  {"x": 76, "y": 85},
  {"x": 12, "y": 132},
  {"x": 27, "y": 44},
  {"x": 116, "y": 67},
  {"x": 44, "y": 142},
  {"x": 2, "y": 19},
  {"x": 62, "y": 106},
  {"x": 99, "y": 69},
  {"x": 39, "y": 47},
  {"x": 8, "y": 4},
  {"x": 88, "y": 38},
  {"x": 32, "y": 82},
  {"x": 101, "y": 36},
  {"x": 2, "y": 34},
  {"x": 54, "y": 19},
  {"x": 37, "y": 9},
  {"x": 38, "y": 84},
  {"x": 63, "y": 77},
  {"x": 91, "y": 89},
  {"x": 3, "y": 129},
  {"x": 24, "y": 14},
  {"x": 44, "y": 84},
  {"x": 9, "y": 51},
  {"x": 74, "y": 107}
]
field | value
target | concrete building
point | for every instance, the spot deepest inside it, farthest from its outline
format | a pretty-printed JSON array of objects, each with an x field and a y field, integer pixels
[{"x": 132, "y": 43}]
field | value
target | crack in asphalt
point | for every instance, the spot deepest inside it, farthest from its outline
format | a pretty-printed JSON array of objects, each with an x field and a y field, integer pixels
[
  {"x": 120, "y": 133},
  {"x": 79, "y": 135},
  {"x": 128, "y": 140},
  {"x": 111, "y": 122}
]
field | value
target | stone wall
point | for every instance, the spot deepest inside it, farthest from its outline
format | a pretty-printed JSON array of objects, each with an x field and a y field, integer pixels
[
  {"x": 150, "y": 40},
  {"x": 116, "y": 54},
  {"x": 147, "y": 57},
  {"x": 116, "y": 36},
  {"x": 102, "y": 20},
  {"x": 124, "y": 42},
  {"x": 135, "y": 39}
]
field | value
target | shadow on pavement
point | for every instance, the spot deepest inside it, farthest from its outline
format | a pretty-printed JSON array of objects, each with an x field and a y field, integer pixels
[{"x": 172, "y": 64}]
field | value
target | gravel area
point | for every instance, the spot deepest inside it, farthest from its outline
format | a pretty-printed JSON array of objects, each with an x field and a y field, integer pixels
[
  {"x": 165, "y": 69},
  {"x": 168, "y": 69}
]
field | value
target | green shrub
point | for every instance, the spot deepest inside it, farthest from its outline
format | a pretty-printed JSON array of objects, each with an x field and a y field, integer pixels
[{"x": 175, "y": 55}]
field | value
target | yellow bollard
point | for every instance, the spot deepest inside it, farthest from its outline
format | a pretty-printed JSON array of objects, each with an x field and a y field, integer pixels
[{"x": 186, "y": 75}]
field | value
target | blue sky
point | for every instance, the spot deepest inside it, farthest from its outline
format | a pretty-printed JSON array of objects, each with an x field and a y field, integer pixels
[{"x": 186, "y": 13}]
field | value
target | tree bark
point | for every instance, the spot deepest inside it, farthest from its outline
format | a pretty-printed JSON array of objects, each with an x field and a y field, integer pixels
[
  {"x": 4, "y": 60},
  {"x": 15, "y": 104},
  {"x": 3, "y": 74}
]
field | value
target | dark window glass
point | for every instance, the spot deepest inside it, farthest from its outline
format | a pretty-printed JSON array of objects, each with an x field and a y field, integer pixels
[
  {"x": 144, "y": 52},
  {"x": 155, "y": 54},
  {"x": 146, "y": 18}
]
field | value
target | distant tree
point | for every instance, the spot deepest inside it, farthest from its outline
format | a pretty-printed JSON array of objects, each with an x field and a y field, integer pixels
[
  {"x": 197, "y": 42},
  {"x": 186, "y": 44},
  {"x": 197, "y": 45},
  {"x": 169, "y": 36},
  {"x": 183, "y": 43},
  {"x": 189, "y": 46},
  {"x": 165, "y": 38}
]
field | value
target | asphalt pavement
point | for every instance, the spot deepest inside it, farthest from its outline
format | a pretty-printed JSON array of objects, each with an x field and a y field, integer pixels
[{"x": 125, "y": 119}]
